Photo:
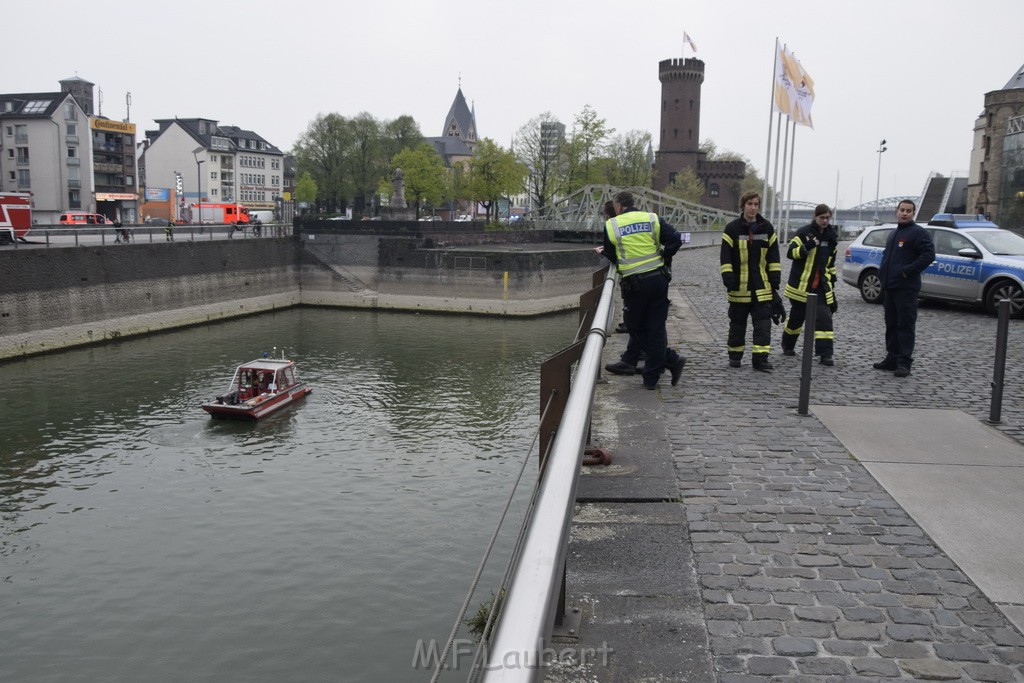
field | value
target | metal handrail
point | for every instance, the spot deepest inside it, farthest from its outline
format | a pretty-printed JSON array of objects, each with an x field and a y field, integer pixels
[{"x": 528, "y": 610}]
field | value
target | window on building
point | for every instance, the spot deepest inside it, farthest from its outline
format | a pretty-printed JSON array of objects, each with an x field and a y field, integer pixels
[
  {"x": 21, "y": 133},
  {"x": 74, "y": 199},
  {"x": 713, "y": 190},
  {"x": 22, "y": 155},
  {"x": 213, "y": 158},
  {"x": 213, "y": 192},
  {"x": 12, "y": 176},
  {"x": 36, "y": 106},
  {"x": 24, "y": 178},
  {"x": 74, "y": 179},
  {"x": 129, "y": 181},
  {"x": 213, "y": 175},
  {"x": 72, "y": 129},
  {"x": 10, "y": 131},
  {"x": 676, "y": 105},
  {"x": 672, "y": 178},
  {"x": 69, "y": 111}
]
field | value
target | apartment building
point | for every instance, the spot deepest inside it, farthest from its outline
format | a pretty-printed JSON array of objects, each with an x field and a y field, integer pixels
[
  {"x": 207, "y": 162},
  {"x": 52, "y": 146}
]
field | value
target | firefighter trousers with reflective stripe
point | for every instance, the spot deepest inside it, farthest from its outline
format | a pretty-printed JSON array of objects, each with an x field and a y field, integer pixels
[
  {"x": 824, "y": 336},
  {"x": 760, "y": 312}
]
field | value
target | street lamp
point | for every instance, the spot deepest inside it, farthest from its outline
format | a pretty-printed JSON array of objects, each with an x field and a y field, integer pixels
[
  {"x": 179, "y": 199},
  {"x": 199, "y": 182},
  {"x": 878, "y": 181}
]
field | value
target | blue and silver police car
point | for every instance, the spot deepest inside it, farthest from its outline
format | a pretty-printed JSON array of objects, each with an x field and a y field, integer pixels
[{"x": 975, "y": 262}]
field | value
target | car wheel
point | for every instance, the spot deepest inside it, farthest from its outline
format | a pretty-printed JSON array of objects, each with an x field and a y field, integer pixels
[
  {"x": 870, "y": 287},
  {"x": 1005, "y": 289}
]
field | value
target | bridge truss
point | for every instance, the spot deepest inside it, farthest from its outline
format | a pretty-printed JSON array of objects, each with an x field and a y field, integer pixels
[{"x": 582, "y": 210}]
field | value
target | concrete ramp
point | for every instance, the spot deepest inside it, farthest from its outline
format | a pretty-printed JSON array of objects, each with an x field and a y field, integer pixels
[{"x": 961, "y": 480}]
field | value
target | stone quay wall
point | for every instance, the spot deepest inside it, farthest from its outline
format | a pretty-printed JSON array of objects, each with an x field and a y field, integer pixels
[{"x": 59, "y": 298}]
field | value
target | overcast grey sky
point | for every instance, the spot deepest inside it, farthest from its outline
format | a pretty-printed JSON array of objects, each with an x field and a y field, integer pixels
[{"x": 911, "y": 71}]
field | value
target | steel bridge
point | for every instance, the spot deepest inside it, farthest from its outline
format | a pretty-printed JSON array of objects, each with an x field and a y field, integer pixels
[{"x": 582, "y": 210}]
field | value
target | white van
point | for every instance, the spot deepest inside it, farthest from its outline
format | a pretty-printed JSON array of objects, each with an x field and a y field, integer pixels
[{"x": 261, "y": 216}]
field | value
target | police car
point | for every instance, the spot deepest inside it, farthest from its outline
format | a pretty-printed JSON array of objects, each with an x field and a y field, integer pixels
[{"x": 975, "y": 262}]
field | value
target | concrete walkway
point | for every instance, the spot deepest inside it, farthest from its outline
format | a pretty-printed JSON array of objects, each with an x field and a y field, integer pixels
[{"x": 733, "y": 539}]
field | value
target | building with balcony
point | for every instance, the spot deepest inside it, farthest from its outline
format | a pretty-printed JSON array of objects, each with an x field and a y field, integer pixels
[
  {"x": 212, "y": 164},
  {"x": 54, "y": 147},
  {"x": 45, "y": 150}
]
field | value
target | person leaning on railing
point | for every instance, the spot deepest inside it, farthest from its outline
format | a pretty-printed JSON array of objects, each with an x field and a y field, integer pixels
[{"x": 641, "y": 247}]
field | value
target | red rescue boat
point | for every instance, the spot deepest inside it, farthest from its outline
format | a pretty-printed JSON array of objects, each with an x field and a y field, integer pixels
[{"x": 259, "y": 388}]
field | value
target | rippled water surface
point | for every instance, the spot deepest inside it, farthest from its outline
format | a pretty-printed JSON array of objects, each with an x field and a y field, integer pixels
[{"x": 142, "y": 541}]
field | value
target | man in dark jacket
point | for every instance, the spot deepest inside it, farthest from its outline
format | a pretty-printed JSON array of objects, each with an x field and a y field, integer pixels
[
  {"x": 752, "y": 273},
  {"x": 641, "y": 246},
  {"x": 813, "y": 251},
  {"x": 908, "y": 251}
]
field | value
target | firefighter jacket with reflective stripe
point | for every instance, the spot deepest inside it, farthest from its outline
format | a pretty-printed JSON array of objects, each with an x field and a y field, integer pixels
[
  {"x": 814, "y": 265},
  {"x": 637, "y": 239},
  {"x": 750, "y": 260}
]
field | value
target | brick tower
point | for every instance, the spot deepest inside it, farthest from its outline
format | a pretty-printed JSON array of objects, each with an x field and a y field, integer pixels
[{"x": 679, "y": 141}]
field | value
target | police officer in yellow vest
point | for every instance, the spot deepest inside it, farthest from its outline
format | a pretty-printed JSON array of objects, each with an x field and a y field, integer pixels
[{"x": 641, "y": 247}]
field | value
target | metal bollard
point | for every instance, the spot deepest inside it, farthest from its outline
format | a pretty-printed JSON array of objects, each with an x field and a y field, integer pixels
[
  {"x": 808, "y": 355},
  {"x": 1002, "y": 335}
]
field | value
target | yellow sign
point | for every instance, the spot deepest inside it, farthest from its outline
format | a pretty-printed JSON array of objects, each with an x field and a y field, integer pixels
[
  {"x": 113, "y": 126},
  {"x": 114, "y": 196},
  {"x": 287, "y": 196}
]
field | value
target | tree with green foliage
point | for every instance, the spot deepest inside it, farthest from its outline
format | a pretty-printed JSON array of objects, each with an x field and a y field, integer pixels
[
  {"x": 348, "y": 157},
  {"x": 305, "y": 188},
  {"x": 627, "y": 160},
  {"x": 539, "y": 145},
  {"x": 686, "y": 186},
  {"x": 424, "y": 174},
  {"x": 402, "y": 133},
  {"x": 494, "y": 172},
  {"x": 584, "y": 146},
  {"x": 321, "y": 151}
]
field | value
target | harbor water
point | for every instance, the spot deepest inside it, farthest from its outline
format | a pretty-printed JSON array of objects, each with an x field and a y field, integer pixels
[{"x": 142, "y": 541}]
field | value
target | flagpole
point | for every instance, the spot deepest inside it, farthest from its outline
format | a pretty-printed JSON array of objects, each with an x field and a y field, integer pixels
[
  {"x": 771, "y": 107},
  {"x": 782, "y": 193},
  {"x": 775, "y": 171},
  {"x": 789, "y": 184}
]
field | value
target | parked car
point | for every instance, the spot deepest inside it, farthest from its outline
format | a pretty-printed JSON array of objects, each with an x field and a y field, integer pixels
[
  {"x": 80, "y": 218},
  {"x": 464, "y": 217},
  {"x": 976, "y": 262}
]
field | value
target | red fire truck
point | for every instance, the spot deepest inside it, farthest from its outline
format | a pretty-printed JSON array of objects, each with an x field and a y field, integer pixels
[{"x": 15, "y": 215}]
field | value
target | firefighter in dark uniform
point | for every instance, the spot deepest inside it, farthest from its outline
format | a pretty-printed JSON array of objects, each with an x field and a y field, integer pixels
[
  {"x": 641, "y": 247},
  {"x": 751, "y": 272},
  {"x": 813, "y": 251}
]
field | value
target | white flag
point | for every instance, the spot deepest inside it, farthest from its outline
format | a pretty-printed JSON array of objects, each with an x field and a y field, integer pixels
[{"x": 689, "y": 40}]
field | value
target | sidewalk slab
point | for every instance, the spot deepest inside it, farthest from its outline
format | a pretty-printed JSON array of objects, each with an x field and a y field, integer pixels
[{"x": 960, "y": 480}]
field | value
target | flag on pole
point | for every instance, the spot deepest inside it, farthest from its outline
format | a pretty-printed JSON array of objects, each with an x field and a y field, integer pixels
[
  {"x": 785, "y": 93},
  {"x": 805, "y": 96},
  {"x": 688, "y": 40}
]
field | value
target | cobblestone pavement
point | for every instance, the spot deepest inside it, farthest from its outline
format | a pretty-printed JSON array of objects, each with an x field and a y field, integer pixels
[{"x": 809, "y": 570}]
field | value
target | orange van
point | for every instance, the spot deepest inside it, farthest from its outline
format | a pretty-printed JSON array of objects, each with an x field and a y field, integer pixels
[{"x": 77, "y": 218}]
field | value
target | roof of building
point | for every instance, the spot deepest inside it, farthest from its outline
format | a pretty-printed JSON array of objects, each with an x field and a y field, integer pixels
[
  {"x": 21, "y": 105},
  {"x": 1017, "y": 81},
  {"x": 460, "y": 122},
  {"x": 204, "y": 130}
]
